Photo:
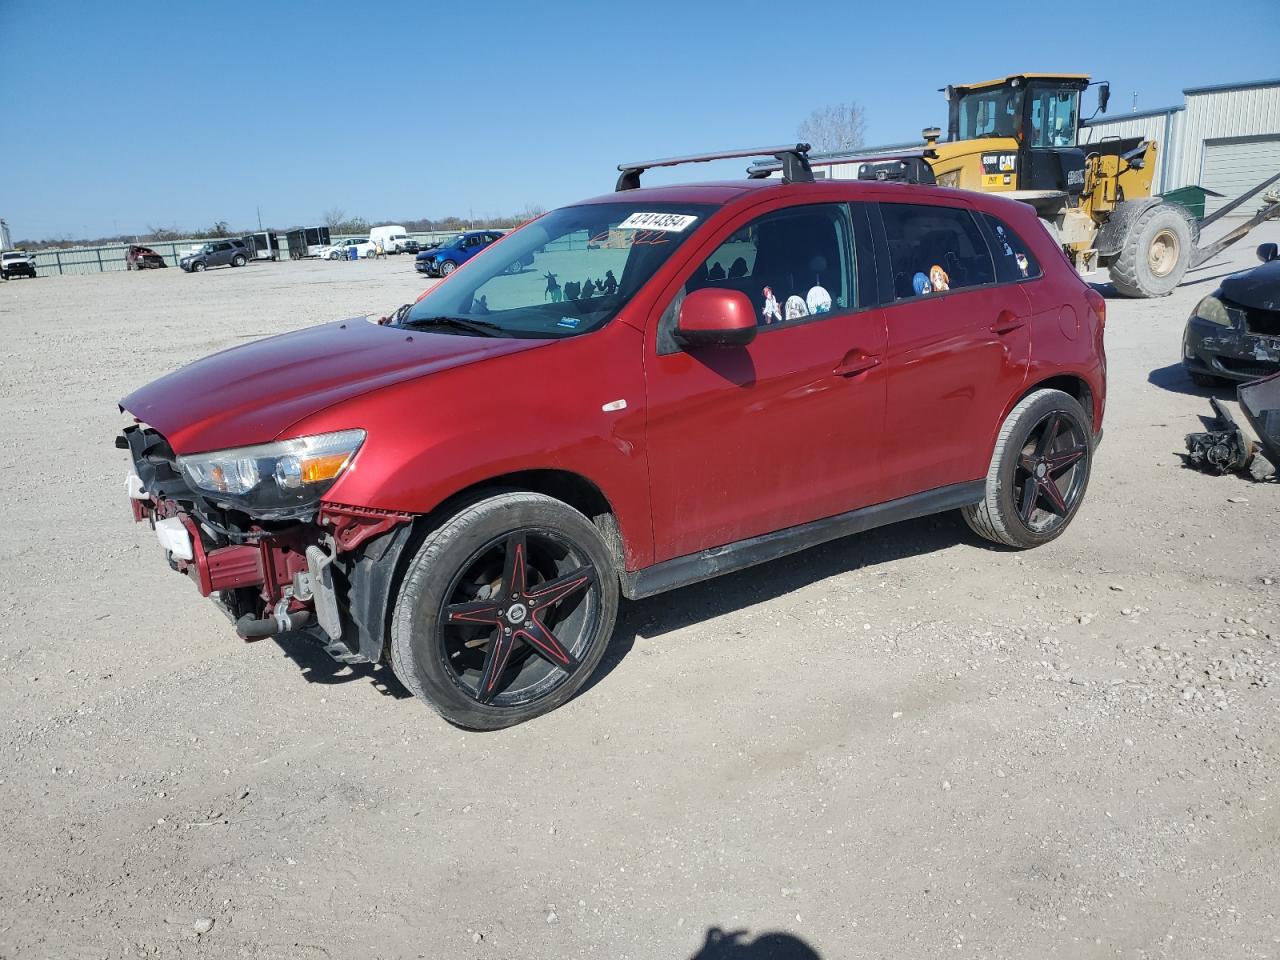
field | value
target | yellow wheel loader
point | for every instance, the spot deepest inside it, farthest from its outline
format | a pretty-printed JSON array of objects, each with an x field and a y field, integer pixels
[{"x": 1020, "y": 136}]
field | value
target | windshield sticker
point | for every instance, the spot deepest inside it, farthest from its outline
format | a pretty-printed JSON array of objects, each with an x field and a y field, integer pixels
[
  {"x": 920, "y": 284},
  {"x": 666, "y": 222},
  {"x": 796, "y": 308},
  {"x": 553, "y": 291},
  {"x": 569, "y": 323},
  {"x": 1023, "y": 265},
  {"x": 818, "y": 300},
  {"x": 772, "y": 312},
  {"x": 938, "y": 278}
]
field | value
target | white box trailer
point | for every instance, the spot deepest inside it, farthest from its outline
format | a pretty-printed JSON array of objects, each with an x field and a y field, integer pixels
[{"x": 265, "y": 245}]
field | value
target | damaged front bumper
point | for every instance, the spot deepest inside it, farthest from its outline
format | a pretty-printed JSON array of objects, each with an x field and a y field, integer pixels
[
  {"x": 1233, "y": 353},
  {"x": 327, "y": 573}
]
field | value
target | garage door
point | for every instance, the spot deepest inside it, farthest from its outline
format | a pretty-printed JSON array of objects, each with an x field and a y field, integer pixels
[{"x": 1233, "y": 166}]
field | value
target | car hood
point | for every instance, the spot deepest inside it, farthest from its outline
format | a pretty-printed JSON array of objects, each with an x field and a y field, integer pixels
[
  {"x": 254, "y": 392},
  {"x": 1258, "y": 289}
]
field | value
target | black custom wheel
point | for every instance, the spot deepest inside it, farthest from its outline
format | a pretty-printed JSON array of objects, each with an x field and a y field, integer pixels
[
  {"x": 505, "y": 611},
  {"x": 1039, "y": 472}
]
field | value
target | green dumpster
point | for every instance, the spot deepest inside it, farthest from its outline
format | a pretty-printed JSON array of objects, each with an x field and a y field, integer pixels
[{"x": 1191, "y": 197}]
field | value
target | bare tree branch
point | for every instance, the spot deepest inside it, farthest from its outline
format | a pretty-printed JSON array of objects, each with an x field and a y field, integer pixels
[{"x": 838, "y": 126}]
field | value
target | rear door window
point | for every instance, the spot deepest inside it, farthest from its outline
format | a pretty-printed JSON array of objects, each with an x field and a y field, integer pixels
[
  {"x": 934, "y": 249},
  {"x": 1014, "y": 259}
]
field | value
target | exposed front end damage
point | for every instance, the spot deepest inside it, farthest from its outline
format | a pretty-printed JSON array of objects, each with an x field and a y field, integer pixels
[
  {"x": 1246, "y": 348},
  {"x": 323, "y": 571}
]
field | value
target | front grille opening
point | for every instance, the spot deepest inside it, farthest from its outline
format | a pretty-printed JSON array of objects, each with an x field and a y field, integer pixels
[
  {"x": 1265, "y": 323},
  {"x": 1248, "y": 368}
]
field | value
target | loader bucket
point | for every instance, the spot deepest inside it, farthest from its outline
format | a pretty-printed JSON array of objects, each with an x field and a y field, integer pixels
[{"x": 1260, "y": 401}]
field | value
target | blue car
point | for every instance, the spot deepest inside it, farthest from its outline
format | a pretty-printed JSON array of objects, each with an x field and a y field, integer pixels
[{"x": 449, "y": 256}]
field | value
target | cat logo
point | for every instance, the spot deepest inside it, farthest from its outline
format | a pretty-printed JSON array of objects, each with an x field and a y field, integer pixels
[{"x": 999, "y": 162}]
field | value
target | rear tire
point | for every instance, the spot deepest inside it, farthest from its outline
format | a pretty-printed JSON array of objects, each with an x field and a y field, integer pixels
[
  {"x": 1034, "y": 487},
  {"x": 1155, "y": 255},
  {"x": 462, "y": 607},
  {"x": 238, "y": 260}
]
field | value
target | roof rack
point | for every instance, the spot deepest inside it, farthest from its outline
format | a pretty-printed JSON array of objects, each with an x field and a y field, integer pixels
[
  {"x": 791, "y": 159},
  {"x": 906, "y": 165}
]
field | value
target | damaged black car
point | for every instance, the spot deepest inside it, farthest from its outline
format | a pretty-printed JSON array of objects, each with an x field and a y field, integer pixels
[{"x": 1234, "y": 333}]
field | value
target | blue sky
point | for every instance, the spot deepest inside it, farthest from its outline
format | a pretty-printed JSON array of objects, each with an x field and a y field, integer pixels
[{"x": 119, "y": 115}]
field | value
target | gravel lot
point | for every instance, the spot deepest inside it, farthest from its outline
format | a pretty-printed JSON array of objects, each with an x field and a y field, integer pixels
[{"x": 898, "y": 745}]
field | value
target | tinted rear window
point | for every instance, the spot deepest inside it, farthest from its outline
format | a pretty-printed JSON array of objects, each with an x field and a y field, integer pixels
[
  {"x": 934, "y": 249},
  {"x": 1014, "y": 259}
]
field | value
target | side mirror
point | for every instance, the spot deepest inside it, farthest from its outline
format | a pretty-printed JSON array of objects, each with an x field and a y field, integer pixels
[
  {"x": 715, "y": 318},
  {"x": 1104, "y": 96},
  {"x": 1268, "y": 252}
]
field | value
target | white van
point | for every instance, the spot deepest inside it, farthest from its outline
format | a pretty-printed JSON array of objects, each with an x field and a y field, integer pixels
[{"x": 392, "y": 237}]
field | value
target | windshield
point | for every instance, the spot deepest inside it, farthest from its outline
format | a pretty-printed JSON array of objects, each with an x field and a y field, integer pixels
[
  {"x": 990, "y": 113},
  {"x": 1053, "y": 117},
  {"x": 567, "y": 273}
]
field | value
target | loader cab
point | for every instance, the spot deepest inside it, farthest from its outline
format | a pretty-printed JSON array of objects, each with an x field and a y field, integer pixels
[{"x": 1033, "y": 123}]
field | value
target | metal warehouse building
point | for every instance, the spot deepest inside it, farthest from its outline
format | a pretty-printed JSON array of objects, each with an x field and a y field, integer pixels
[{"x": 1225, "y": 138}]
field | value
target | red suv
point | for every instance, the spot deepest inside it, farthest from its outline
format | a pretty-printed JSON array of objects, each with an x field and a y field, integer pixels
[{"x": 689, "y": 380}]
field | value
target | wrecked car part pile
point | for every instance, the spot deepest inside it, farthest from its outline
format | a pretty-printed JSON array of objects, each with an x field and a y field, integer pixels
[{"x": 1229, "y": 448}]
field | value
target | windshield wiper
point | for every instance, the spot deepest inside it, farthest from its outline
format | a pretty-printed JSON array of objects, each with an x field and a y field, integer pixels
[{"x": 481, "y": 327}]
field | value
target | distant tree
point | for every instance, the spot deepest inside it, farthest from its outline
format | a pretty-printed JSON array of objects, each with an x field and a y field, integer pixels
[
  {"x": 219, "y": 229},
  {"x": 838, "y": 126},
  {"x": 333, "y": 217}
]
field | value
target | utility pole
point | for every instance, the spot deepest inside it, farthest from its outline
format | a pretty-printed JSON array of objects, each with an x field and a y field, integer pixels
[
  {"x": 259, "y": 210},
  {"x": 1135, "y": 102}
]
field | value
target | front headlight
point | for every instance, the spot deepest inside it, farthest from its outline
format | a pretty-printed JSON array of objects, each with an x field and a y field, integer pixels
[
  {"x": 273, "y": 479},
  {"x": 1214, "y": 310}
]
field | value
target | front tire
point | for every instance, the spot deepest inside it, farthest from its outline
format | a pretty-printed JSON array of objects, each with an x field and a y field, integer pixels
[
  {"x": 505, "y": 611},
  {"x": 1039, "y": 472},
  {"x": 447, "y": 268},
  {"x": 1155, "y": 255},
  {"x": 197, "y": 267}
]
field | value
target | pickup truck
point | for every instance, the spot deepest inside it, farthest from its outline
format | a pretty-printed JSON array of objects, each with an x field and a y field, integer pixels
[{"x": 15, "y": 263}]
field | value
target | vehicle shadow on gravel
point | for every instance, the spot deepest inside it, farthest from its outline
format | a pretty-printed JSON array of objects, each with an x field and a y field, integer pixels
[
  {"x": 655, "y": 616},
  {"x": 681, "y": 608},
  {"x": 734, "y": 945},
  {"x": 318, "y": 667},
  {"x": 1174, "y": 379}
]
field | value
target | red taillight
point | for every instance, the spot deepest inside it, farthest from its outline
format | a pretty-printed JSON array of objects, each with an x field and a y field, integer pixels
[{"x": 1098, "y": 304}]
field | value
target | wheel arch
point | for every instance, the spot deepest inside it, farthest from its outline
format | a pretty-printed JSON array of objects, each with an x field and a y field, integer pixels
[
  {"x": 571, "y": 488},
  {"x": 1071, "y": 384}
]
